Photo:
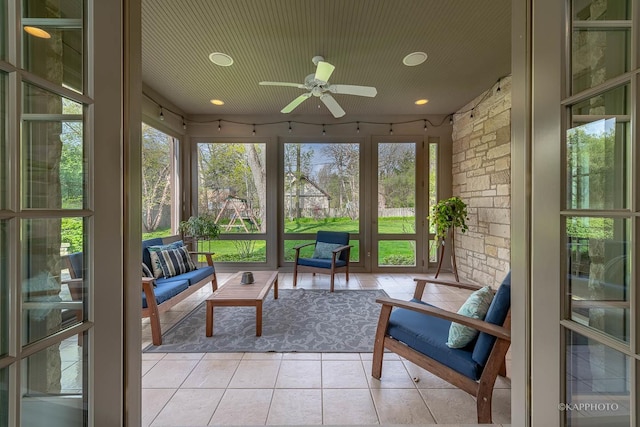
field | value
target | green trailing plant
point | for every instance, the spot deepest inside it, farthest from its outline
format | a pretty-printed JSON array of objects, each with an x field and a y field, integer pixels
[
  {"x": 447, "y": 213},
  {"x": 200, "y": 227}
]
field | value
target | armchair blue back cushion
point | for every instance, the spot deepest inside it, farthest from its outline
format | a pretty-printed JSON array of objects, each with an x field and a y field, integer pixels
[
  {"x": 337, "y": 237},
  {"x": 497, "y": 314},
  {"x": 428, "y": 334}
]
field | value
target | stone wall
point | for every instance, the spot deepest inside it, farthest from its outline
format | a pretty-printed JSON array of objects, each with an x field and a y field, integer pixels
[{"x": 481, "y": 160}]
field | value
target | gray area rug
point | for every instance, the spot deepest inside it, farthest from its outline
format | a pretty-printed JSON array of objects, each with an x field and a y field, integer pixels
[{"x": 300, "y": 320}]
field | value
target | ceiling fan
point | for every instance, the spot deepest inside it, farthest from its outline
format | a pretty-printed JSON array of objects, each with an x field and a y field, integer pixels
[{"x": 318, "y": 85}]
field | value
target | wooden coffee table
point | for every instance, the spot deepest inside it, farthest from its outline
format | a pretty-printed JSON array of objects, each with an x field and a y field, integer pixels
[{"x": 234, "y": 294}]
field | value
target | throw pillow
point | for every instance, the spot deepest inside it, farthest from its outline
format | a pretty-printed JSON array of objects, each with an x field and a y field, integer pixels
[
  {"x": 476, "y": 306},
  {"x": 155, "y": 264},
  {"x": 145, "y": 271},
  {"x": 174, "y": 261},
  {"x": 324, "y": 250}
]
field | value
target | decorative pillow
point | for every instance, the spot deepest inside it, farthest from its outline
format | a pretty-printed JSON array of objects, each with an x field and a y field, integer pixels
[
  {"x": 174, "y": 261},
  {"x": 476, "y": 306},
  {"x": 145, "y": 271},
  {"x": 324, "y": 250},
  {"x": 155, "y": 265}
]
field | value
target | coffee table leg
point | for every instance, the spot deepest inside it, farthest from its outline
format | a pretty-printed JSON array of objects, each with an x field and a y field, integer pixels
[
  {"x": 258, "y": 318},
  {"x": 209, "y": 319},
  {"x": 275, "y": 289}
]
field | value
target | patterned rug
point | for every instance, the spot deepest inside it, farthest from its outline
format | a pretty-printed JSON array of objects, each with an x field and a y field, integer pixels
[{"x": 300, "y": 320}]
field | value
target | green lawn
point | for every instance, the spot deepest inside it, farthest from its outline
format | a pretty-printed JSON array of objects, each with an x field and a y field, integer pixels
[{"x": 390, "y": 252}]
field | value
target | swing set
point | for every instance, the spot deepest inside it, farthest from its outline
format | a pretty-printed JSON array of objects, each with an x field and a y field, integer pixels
[{"x": 240, "y": 214}]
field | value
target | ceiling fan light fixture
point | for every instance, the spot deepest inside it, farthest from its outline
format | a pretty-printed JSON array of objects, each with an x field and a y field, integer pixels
[
  {"x": 217, "y": 102},
  {"x": 221, "y": 59},
  {"x": 415, "y": 58},
  {"x": 421, "y": 101}
]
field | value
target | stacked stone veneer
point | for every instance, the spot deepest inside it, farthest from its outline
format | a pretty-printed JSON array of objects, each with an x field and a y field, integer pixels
[{"x": 481, "y": 161}]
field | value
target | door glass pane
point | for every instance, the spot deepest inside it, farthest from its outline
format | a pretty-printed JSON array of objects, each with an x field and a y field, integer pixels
[
  {"x": 51, "y": 301},
  {"x": 52, "y": 40},
  {"x": 598, "y": 152},
  {"x": 599, "y": 271},
  {"x": 597, "y": 384},
  {"x": 321, "y": 187},
  {"x": 397, "y": 253},
  {"x": 52, "y": 382},
  {"x": 4, "y": 397},
  {"x": 601, "y": 42},
  {"x": 53, "y": 166},
  {"x": 4, "y": 289},
  {"x": 159, "y": 183},
  {"x": 396, "y": 188},
  {"x": 3, "y": 140}
]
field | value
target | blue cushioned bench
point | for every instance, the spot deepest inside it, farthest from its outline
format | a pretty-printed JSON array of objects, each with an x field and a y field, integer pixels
[{"x": 159, "y": 295}]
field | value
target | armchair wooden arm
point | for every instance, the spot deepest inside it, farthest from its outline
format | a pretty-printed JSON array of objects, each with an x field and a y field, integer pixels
[
  {"x": 207, "y": 255},
  {"x": 302, "y": 245},
  {"x": 421, "y": 282},
  {"x": 342, "y": 248}
]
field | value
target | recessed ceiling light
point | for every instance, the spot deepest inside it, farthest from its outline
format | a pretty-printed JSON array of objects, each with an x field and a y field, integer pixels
[
  {"x": 217, "y": 102},
  {"x": 421, "y": 101},
  {"x": 221, "y": 59},
  {"x": 37, "y": 32},
  {"x": 415, "y": 58}
]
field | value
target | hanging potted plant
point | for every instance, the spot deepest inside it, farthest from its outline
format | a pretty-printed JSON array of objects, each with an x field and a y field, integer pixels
[
  {"x": 446, "y": 215},
  {"x": 197, "y": 228}
]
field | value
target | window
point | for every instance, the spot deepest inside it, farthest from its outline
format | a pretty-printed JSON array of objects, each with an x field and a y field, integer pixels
[
  {"x": 159, "y": 177},
  {"x": 232, "y": 188}
]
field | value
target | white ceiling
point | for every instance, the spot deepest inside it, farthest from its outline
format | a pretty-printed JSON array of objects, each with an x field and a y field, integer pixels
[{"x": 468, "y": 43}]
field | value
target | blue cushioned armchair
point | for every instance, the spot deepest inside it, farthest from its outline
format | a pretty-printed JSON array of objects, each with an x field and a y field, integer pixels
[
  {"x": 331, "y": 256},
  {"x": 418, "y": 332}
]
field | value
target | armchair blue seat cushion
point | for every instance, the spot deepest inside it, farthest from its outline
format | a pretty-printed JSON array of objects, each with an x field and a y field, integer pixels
[
  {"x": 428, "y": 335},
  {"x": 320, "y": 262},
  {"x": 192, "y": 277}
]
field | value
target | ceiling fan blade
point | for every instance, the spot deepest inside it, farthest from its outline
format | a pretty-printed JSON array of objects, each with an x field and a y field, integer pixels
[
  {"x": 332, "y": 105},
  {"x": 293, "y": 104},
  {"x": 353, "y": 90},
  {"x": 298, "y": 85},
  {"x": 324, "y": 70}
]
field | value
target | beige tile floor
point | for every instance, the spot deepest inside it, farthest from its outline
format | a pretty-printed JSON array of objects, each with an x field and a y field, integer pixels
[{"x": 200, "y": 389}]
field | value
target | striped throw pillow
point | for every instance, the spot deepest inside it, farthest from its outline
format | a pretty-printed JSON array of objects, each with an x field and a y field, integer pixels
[
  {"x": 174, "y": 261},
  {"x": 155, "y": 265}
]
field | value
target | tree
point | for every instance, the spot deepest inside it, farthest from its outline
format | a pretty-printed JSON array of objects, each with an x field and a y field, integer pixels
[
  {"x": 156, "y": 176},
  {"x": 340, "y": 176},
  {"x": 396, "y": 175},
  {"x": 256, "y": 164}
]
